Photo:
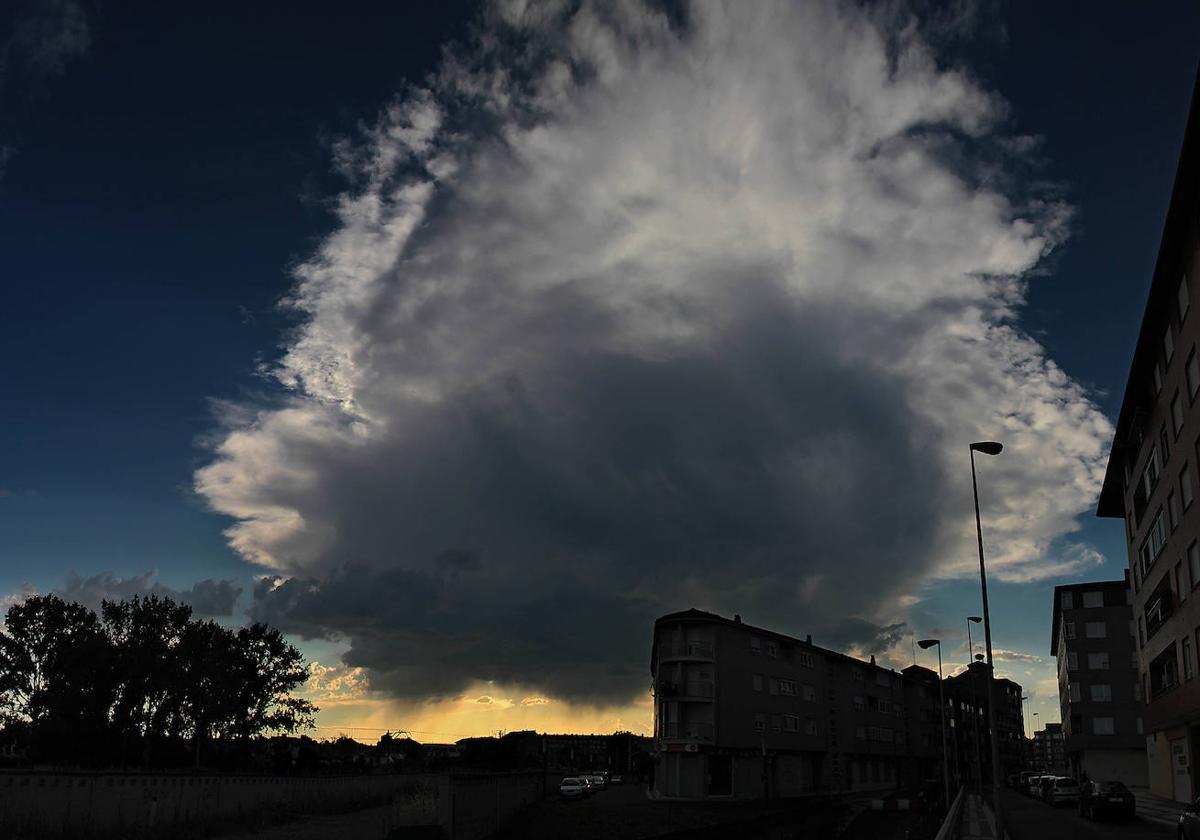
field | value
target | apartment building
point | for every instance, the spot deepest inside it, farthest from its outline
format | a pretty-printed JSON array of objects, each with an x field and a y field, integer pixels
[
  {"x": 1151, "y": 483},
  {"x": 1049, "y": 749},
  {"x": 745, "y": 712},
  {"x": 971, "y": 743},
  {"x": 1099, "y": 688}
]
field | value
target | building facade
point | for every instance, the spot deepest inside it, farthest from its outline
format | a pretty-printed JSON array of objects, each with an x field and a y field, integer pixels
[
  {"x": 970, "y": 742},
  {"x": 1151, "y": 484},
  {"x": 744, "y": 712},
  {"x": 1099, "y": 688},
  {"x": 1050, "y": 750}
]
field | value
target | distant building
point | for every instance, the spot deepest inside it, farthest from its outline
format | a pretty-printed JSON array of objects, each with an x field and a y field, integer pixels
[
  {"x": 1151, "y": 484},
  {"x": 971, "y": 745},
  {"x": 744, "y": 712},
  {"x": 1049, "y": 749},
  {"x": 1099, "y": 691}
]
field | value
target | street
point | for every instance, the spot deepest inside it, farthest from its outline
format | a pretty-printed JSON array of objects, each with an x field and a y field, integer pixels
[{"x": 1029, "y": 819}]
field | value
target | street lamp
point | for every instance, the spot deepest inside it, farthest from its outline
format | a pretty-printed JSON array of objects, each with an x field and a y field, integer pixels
[
  {"x": 926, "y": 644},
  {"x": 1034, "y": 725},
  {"x": 988, "y": 447},
  {"x": 974, "y": 619}
]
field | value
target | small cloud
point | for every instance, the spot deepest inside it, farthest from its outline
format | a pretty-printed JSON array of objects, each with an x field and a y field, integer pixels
[
  {"x": 535, "y": 701},
  {"x": 1001, "y": 655},
  {"x": 207, "y": 597},
  {"x": 484, "y": 699}
]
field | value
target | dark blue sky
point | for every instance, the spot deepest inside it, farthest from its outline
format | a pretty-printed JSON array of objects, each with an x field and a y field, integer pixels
[{"x": 159, "y": 188}]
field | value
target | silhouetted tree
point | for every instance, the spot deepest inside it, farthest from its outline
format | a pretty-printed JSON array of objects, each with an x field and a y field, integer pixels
[{"x": 145, "y": 677}]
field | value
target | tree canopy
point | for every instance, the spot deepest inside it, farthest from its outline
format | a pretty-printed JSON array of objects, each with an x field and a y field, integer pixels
[{"x": 140, "y": 677}]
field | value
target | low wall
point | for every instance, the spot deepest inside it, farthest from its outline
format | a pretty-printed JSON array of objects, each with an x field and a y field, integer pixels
[{"x": 59, "y": 805}]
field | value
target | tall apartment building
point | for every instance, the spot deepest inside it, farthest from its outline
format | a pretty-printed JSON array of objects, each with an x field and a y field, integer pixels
[
  {"x": 1049, "y": 749},
  {"x": 971, "y": 744},
  {"x": 1099, "y": 688},
  {"x": 1151, "y": 484},
  {"x": 745, "y": 712}
]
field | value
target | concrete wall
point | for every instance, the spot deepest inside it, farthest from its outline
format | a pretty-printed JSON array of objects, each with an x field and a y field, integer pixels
[
  {"x": 1128, "y": 766},
  {"x": 98, "y": 805}
]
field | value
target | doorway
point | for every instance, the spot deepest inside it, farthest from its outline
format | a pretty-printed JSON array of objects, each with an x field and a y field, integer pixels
[{"x": 1181, "y": 769}]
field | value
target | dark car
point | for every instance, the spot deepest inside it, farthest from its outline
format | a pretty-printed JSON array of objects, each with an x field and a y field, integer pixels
[
  {"x": 1105, "y": 799},
  {"x": 1189, "y": 822}
]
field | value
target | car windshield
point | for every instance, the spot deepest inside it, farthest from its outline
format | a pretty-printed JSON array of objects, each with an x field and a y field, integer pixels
[
  {"x": 1063, "y": 783},
  {"x": 570, "y": 781},
  {"x": 1110, "y": 787}
]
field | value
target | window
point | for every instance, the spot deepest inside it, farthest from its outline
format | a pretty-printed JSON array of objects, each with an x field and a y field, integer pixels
[
  {"x": 810, "y": 726},
  {"x": 1173, "y": 510},
  {"x": 1093, "y": 599},
  {"x": 881, "y": 733},
  {"x": 806, "y": 659},
  {"x": 1072, "y": 661},
  {"x": 1180, "y": 582},
  {"x": 856, "y": 674},
  {"x": 878, "y": 704},
  {"x": 1150, "y": 474},
  {"x": 1186, "y": 491},
  {"x": 1098, "y": 661},
  {"x": 787, "y": 688},
  {"x": 760, "y": 722},
  {"x": 1156, "y": 538},
  {"x": 772, "y": 649},
  {"x": 1193, "y": 560},
  {"x": 1139, "y": 726},
  {"x": 1192, "y": 371},
  {"x": 776, "y": 723},
  {"x": 1096, "y": 630},
  {"x": 1176, "y": 415},
  {"x": 755, "y": 644},
  {"x": 1102, "y": 726},
  {"x": 1168, "y": 342},
  {"x": 859, "y": 704},
  {"x": 1101, "y": 693},
  {"x": 1073, "y": 692},
  {"x": 1067, "y": 600},
  {"x": 758, "y": 682},
  {"x": 1137, "y": 689},
  {"x": 1189, "y": 670},
  {"x": 1182, "y": 300},
  {"x": 1141, "y": 632},
  {"x": 810, "y": 694},
  {"x": 1069, "y": 629},
  {"x": 791, "y": 723}
]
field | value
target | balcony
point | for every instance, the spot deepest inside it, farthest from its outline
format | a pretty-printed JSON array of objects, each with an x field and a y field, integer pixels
[
  {"x": 700, "y": 731},
  {"x": 701, "y": 690},
  {"x": 685, "y": 650}
]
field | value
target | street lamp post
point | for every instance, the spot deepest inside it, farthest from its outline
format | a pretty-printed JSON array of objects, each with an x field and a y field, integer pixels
[
  {"x": 988, "y": 447},
  {"x": 925, "y": 645},
  {"x": 975, "y": 702},
  {"x": 1034, "y": 727},
  {"x": 1025, "y": 719}
]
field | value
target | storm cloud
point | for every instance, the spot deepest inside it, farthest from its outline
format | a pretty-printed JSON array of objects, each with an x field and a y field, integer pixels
[{"x": 627, "y": 312}]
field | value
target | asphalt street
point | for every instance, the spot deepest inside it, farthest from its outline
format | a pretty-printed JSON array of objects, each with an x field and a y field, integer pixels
[{"x": 1029, "y": 819}]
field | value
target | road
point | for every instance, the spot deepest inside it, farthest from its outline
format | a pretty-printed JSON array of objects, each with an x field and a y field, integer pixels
[{"x": 1029, "y": 819}]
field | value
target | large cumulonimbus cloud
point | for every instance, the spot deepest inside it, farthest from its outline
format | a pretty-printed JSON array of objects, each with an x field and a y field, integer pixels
[{"x": 628, "y": 312}]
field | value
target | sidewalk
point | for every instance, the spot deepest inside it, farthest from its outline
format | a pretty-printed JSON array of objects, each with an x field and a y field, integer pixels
[
  {"x": 975, "y": 821},
  {"x": 1156, "y": 809}
]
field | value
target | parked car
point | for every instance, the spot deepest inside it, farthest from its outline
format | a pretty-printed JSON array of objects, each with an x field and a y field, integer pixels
[
  {"x": 1062, "y": 789},
  {"x": 1033, "y": 787},
  {"x": 589, "y": 787},
  {"x": 1023, "y": 780},
  {"x": 1189, "y": 822},
  {"x": 598, "y": 781},
  {"x": 571, "y": 788},
  {"x": 1105, "y": 799},
  {"x": 616, "y": 780}
]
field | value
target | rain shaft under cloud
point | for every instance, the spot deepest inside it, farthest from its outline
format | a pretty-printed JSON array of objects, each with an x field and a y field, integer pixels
[{"x": 627, "y": 312}]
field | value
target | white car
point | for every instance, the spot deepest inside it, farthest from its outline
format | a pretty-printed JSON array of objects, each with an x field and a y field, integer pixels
[
  {"x": 572, "y": 788},
  {"x": 598, "y": 781},
  {"x": 1034, "y": 786},
  {"x": 1062, "y": 789}
]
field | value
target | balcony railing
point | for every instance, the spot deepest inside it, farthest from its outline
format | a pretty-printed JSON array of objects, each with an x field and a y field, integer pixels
[
  {"x": 672, "y": 650},
  {"x": 687, "y": 690},
  {"x": 689, "y": 731}
]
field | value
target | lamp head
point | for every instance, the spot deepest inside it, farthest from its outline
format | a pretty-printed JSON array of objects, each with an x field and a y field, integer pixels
[
  {"x": 979, "y": 657},
  {"x": 988, "y": 447},
  {"x": 975, "y": 618},
  {"x": 925, "y": 644}
]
